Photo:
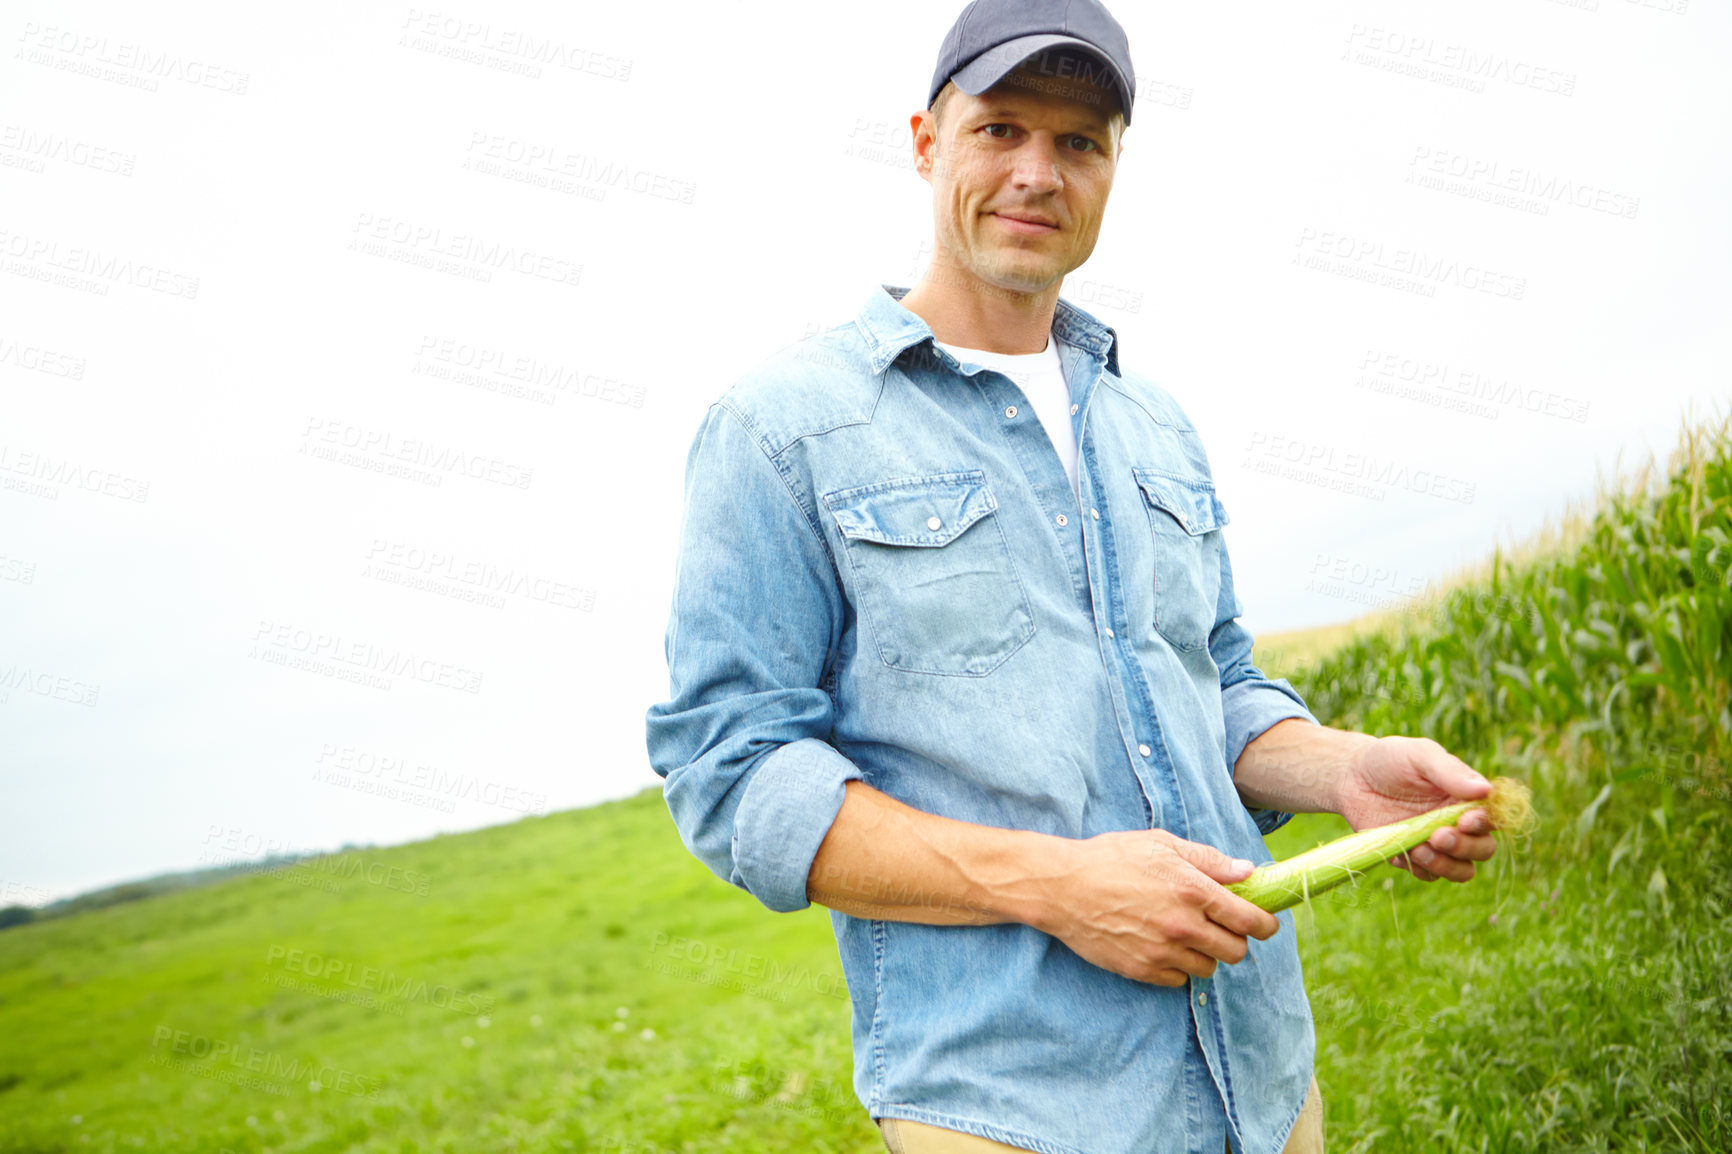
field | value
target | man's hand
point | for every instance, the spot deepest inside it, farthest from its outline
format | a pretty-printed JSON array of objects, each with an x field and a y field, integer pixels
[
  {"x": 1298, "y": 766},
  {"x": 1392, "y": 778},
  {"x": 1150, "y": 906}
]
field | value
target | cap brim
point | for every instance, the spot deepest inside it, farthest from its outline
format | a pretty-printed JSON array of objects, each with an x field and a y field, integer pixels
[{"x": 1001, "y": 60}]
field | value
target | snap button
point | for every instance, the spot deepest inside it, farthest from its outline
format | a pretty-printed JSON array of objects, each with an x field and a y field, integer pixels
[
  {"x": 1095, "y": 513},
  {"x": 1062, "y": 519},
  {"x": 1143, "y": 749},
  {"x": 1011, "y": 411},
  {"x": 1109, "y": 631},
  {"x": 1073, "y": 408},
  {"x": 1202, "y": 999},
  {"x": 933, "y": 522}
]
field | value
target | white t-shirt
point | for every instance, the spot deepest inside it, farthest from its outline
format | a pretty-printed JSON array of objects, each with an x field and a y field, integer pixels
[{"x": 1041, "y": 378}]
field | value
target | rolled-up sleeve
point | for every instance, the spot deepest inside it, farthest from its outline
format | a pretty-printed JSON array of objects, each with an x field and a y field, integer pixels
[
  {"x": 741, "y": 742},
  {"x": 1250, "y": 701}
]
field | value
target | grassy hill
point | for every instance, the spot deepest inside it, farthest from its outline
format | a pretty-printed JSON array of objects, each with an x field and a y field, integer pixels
[
  {"x": 578, "y": 982},
  {"x": 528, "y": 986}
]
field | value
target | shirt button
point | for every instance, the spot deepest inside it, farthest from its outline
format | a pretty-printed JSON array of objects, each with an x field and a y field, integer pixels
[
  {"x": 1011, "y": 411},
  {"x": 1062, "y": 519},
  {"x": 1143, "y": 749},
  {"x": 933, "y": 522},
  {"x": 1073, "y": 408},
  {"x": 1095, "y": 513},
  {"x": 1109, "y": 631},
  {"x": 1202, "y": 999}
]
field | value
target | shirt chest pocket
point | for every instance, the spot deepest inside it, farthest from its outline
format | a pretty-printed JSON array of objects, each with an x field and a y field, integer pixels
[
  {"x": 1185, "y": 520},
  {"x": 932, "y": 573}
]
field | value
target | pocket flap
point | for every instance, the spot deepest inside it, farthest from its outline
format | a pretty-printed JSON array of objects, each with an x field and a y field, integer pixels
[
  {"x": 1190, "y": 501},
  {"x": 917, "y": 511}
]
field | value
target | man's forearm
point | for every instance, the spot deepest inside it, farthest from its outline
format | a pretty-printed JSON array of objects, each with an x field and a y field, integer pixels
[
  {"x": 884, "y": 859},
  {"x": 1294, "y": 766}
]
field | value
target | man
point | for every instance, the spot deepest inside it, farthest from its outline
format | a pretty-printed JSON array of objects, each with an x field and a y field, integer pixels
[{"x": 954, "y": 651}]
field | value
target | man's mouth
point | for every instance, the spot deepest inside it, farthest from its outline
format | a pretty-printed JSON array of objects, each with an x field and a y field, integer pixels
[{"x": 1027, "y": 223}]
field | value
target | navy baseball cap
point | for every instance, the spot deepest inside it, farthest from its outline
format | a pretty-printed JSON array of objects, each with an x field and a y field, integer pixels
[{"x": 992, "y": 37}]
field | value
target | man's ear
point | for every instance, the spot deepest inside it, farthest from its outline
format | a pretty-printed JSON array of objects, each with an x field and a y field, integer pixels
[{"x": 923, "y": 142}]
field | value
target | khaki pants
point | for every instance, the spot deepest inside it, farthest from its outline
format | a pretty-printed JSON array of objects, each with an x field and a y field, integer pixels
[{"x": 904, "y": 1137}]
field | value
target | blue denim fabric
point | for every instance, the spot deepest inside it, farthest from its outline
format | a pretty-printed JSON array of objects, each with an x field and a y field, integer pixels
[{"x": 883, "y": 574}]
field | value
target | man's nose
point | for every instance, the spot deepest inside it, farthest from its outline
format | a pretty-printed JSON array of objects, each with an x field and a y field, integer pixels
[{"x": 1037, "y": 166}]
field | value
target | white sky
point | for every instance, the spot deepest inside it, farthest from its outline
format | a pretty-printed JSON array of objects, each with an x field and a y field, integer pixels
[{"x": 302, "y": 165}]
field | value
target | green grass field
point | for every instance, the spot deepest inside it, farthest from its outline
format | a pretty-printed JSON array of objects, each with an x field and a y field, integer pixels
[{"x": 579, "y": 982}]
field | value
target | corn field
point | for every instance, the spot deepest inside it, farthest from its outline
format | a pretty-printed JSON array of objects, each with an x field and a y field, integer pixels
[{"x": 1578, "y": 995}]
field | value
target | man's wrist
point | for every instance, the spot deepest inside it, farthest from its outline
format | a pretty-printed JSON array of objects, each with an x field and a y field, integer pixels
[
  {"x": 1353, "y": 747},
  {"x": 1032, "y": 891},
  {"x": 1297, "y": 766}
]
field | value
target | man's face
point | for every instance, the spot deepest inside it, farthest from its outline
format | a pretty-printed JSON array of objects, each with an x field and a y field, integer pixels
[{"x": 1020, "y": 176}]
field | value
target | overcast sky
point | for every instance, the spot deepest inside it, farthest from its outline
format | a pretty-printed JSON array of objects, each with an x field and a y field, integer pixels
[{"x": 1419, "y": 272}]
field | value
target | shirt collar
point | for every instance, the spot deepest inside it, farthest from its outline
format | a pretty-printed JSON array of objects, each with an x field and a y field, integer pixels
[{"x": 890, "y": 329}]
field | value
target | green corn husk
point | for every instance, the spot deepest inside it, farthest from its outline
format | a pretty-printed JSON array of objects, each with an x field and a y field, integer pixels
[{"x": 1281, "y": 884}]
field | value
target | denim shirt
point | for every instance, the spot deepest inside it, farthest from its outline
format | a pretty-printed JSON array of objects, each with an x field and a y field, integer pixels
[{"x": 884, "y": 574}]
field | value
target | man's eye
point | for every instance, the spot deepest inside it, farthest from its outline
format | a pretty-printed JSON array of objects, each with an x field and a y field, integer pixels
[
  {"x": 1006, "y": 127},
  {"x": 1084, "y": 144}
]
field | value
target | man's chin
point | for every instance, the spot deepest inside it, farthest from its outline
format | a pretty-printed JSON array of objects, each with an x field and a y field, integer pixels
[
  {"x": 1011, "y": 277},
  {"x": 1024, "y": 285}
]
